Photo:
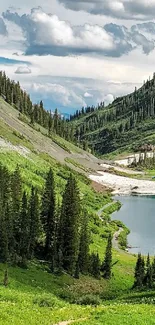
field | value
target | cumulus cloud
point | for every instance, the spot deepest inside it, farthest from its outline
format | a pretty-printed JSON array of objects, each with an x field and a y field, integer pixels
[
  {"x": 109, "y": 98},
  {"x": 59, "y": 93},
  {"x": 131, "y": 38},
  {"x": 128, "y": 9},
  {"x": 23, "y": 70},
  {"x": 47, "y": 34},
  {"x": 88, "y": 95}
]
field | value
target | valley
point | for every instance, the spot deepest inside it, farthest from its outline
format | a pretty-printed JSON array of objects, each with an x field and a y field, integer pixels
[{"x": 34, "y": 293}]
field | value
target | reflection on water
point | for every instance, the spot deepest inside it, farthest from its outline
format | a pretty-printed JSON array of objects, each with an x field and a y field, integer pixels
[{"x": 138, "y": 214}]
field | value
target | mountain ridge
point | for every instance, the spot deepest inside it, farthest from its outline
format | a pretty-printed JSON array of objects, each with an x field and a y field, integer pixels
[{"x": 125, "y": 124}]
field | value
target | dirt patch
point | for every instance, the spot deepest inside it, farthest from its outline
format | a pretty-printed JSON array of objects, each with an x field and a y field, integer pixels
[
  {"x": 121, "y": 185},
  {"x": 99, "y": 187},
  {"x": 7, "y": 146}
]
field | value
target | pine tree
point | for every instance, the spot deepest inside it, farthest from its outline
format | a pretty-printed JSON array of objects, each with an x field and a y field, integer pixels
[
  {"x": 69, "y": 225},
  {"x": 148, "y": 276},
  {"x": 48, "y": 217},
  {"x": 107, "y": 263},
  {"x": 34, "y": 217},
  {"x": 24, "y": 235},
  {"x": 139, "y": 272},
  {"x": 5, "y": 214},
  {"x": 95, "y": 265},
  {"x": 16, "y": 186},
  {"x": 77, "y": 270},
  {"x": 84, "y": 245}
]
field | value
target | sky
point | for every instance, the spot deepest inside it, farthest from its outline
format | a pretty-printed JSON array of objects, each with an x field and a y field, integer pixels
[{"x": 74, "y": 53}]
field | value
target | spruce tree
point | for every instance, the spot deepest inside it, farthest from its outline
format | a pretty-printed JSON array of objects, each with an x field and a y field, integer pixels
[
  {"x": 5, "y": 214},
  {"x": 107, "y": 263},
  {"x": 77, "y": 270},
  {"x": 16, "y": 186},
  {"x": 24, "y": 235},
  {"x": 95, "y": 265},
  {"x": 148, "y": 275},
  {"x": 34, "y": 217},
  {"x": 84, "y": 245},
  {"x": 69, "y": 226},
  {"x": 139, "y": 272},
  {"x": 48, "y": 217}
]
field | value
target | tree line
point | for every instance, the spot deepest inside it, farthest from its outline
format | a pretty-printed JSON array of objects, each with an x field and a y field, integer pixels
[
  {"x": 86, "y": 110},
  {"x": 144, "y": 273},
  {"x": 117, "y": 119},
  {"x": 36, "y": 225},
  {"x": 13, "y": 94}
]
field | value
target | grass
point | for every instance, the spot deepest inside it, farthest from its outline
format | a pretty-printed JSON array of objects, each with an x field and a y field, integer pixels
[
  {"x": 78, "y": 165},
  {"x": 35, "y": 296},
  {"x": 13, "y": 136}
]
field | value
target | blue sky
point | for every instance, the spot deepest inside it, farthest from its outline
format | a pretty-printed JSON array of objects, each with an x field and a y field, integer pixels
[{"x": 76, "y": 53}]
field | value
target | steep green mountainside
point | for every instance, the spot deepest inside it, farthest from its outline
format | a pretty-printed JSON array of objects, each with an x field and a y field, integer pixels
[
  {"x": 123, "y": 125},
  {"x": 15, "y": 127},
  {"x": 34, "y": 295}
]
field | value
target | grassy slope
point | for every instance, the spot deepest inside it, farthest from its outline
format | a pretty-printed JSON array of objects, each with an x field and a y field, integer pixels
[
  {"x": 33, "y": 295},
  {"x": 102, "y": 138}
]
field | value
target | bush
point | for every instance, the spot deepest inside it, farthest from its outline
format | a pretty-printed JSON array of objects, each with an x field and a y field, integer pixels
[
  {"x": 89, "y": 300},
  {"x": 47, "y": 301},
  {"x": 122, "y": 239}
]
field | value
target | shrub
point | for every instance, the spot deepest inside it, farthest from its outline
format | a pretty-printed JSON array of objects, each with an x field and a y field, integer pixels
[
  {"x": 47, "y": 301},
  {"x": 89, "y": 300}
]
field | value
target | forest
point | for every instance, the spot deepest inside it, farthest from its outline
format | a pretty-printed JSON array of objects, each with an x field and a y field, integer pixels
[
  {"x": 123, "y": 124},
  {"x": 13, "y": 94},
  {"x": 37, "y": 226}
]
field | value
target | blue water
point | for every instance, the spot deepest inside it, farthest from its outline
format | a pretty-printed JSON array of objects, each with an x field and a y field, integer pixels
[{"x": 138, "y": 214}]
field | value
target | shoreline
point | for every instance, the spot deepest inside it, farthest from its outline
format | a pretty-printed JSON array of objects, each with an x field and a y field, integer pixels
[{"x": 121, "y": 185}]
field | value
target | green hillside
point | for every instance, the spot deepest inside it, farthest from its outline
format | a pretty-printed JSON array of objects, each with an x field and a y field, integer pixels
[
  {"x": 123, "y": 125},
  {"x": 34, "y": 294}
]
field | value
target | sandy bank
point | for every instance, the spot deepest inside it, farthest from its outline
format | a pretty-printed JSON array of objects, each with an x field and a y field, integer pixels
[{"x": 123, "y": 185}]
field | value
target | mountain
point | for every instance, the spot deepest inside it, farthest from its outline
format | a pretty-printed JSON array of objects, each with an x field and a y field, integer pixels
[
  {"x": 124, "y": 125},
  {"x": 30, "y": 293}
]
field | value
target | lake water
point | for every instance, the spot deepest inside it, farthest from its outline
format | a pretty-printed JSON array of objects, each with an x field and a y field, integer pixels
[{"x": 138, "y": 214}]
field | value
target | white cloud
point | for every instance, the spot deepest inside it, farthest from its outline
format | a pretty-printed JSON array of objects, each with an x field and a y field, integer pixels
[
  {"x": 88, "y": 95},
  {"x": 109, "y": 98},
  {"x": 59, "y": 93},
  {"x": 128, "y": 9},
  {"x": 23, "y": 70},
  {"x": 47, "y": 34}
]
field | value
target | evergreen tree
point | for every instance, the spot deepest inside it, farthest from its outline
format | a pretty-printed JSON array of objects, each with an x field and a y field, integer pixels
[
  {"x": 139, "y": 272},
  {"x": 24, "y": 235},
  {"x": 77, "y": 270},
  {"x": 48, "y": 217},
  {"x": 95, "y": 265},
  {"x": 107, "y": 263},
  {"x": 16, "y": 187},
  {"x": 34, "y": 218},
  {"x": 84, "y": 245},
  {"x": 148, "y": 275},
  {"x": 69, "y": 226}
]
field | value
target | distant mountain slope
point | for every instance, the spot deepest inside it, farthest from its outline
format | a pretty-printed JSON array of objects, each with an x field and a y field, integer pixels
[
  {"x": 125, "y": 124},
  {"x": 14, "y": 128}
]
